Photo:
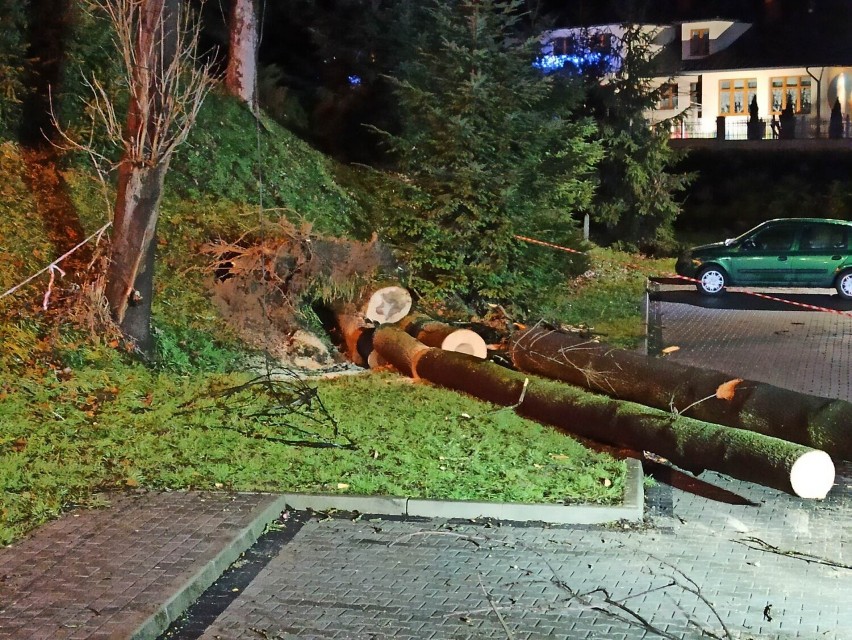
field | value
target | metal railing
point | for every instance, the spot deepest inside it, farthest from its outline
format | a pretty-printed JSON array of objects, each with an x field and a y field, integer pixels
[{"x": 736, "y": 128}]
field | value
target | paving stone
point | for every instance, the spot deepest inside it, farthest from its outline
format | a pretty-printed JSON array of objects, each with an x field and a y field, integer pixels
[{"x": 93, "y": 573}]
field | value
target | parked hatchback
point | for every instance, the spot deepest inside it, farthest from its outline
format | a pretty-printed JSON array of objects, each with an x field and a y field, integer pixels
[{"x": 789, "y": 252}]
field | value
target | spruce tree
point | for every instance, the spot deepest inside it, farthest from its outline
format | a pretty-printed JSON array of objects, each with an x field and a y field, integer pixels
[
  {"x": 13, "y": 18},
  {"x": 492, "y": 147},
  {"x": 638, "y": 195}
]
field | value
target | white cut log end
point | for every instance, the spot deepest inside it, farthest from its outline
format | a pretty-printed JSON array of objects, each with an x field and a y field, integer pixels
[
  {"x": 466, "y": 341},
  {"x": 812, "y": 475},
  {"x": 388, "y": 305}
]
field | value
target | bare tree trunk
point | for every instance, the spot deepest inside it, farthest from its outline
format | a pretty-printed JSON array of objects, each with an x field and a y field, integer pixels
[
  {"x": 129, "y": 285},
  {"x": 166, "y": 82},
  {"x": 130, "y": 275},
  {"x": 241, "y": 75}
]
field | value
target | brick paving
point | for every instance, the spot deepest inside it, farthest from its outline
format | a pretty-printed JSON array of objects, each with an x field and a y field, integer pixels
[
  {"x": 694, "y": 568},
  {"x": 340, "y": 578},
  {"x": 103, "y": 573}
]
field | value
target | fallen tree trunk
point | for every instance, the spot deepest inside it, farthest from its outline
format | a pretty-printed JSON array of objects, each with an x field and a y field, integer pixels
[
  {"x": 756, "y": 406},
  {"x": 355, "y": 320},
  {"x": 356, "y": 333},
  {"x": 444, "y": 336},
  {"x": 686, "y": 442}
]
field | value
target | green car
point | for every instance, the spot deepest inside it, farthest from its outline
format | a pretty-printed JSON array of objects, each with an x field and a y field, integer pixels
[{"x": 788, "y": 252}]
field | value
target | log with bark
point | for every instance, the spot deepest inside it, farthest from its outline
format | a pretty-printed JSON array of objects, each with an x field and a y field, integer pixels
[
  {"x": 756, "y": 406},
  {"x": 433, "y": 333},
  {"x": 355, "y": 321},
  {"x": 686, "y": 442},
  {"x": 355, "y": 333}
]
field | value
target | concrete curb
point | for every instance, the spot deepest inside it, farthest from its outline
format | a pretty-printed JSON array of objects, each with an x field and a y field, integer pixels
[
  {"x": 631, "y": 509},
  {"x": 197, "y": 584}
]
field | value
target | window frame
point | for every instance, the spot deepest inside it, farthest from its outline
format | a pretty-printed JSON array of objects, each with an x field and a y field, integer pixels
[
  {"x": 668, "y": 96},
  {"x": 803, "y": 84},
  {"x": 699, "y": 42},
  {"x": 747, "y": 91}
]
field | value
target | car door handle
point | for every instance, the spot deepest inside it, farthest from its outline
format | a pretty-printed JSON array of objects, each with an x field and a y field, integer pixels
[
  {"x": 782, "y": 258},
  {"x": 836, "y": 257}
]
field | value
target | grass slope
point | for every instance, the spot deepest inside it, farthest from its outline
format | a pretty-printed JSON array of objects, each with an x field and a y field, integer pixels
[{"x": 79, "y": 418}]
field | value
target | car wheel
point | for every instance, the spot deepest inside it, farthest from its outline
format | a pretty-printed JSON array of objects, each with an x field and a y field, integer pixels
[
  {"x": 843, "y": 284},
  {"x": 713, "y": 280}
]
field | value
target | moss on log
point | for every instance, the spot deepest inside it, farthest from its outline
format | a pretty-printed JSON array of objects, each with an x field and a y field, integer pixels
[
  {"x": 686, "y": 442},
  {"x": 755, "y": 406}
]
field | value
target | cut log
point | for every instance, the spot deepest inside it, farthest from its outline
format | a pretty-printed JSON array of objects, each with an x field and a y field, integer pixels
[
  {"x": 658, "y": 382},
  {"x": 375, "y": 361},
  {"x": 399, "y": 349},
  {"x": 444, "y": 336},
  {"x": 355, "y": 320},
  {"x": 356, "y": 334},
  {"x": 388, "y": 305},
  {"x": 686, "y": 442}
]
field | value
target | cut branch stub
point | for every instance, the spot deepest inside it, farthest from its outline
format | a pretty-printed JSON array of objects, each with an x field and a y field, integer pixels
[
  {"x": 816, "y": 422},
  {"x": 686, "y": 442},
  {"x": 388, "y": 305}
]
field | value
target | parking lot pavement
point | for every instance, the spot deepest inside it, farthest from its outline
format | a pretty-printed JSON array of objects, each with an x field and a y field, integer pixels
[
  {"x": 807, "y": 351},
  {"x": 697, "y": 567}
]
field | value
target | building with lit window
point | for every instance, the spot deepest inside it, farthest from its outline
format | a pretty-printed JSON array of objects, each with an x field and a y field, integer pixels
[{"x": 711, "y": 70}]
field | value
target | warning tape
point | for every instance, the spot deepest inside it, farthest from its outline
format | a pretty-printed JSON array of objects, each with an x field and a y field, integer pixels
[
  {"x": 548, "y": 244},
  {"x": 54, "y": 266},
  {"x": 812, "y": 307}
]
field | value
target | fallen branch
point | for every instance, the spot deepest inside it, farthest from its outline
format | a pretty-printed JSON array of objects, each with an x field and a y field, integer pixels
[
  {"x": 436, "y": 533},
  {"x": 761, "y": 545},
  {"x": 494, "y": 609}
]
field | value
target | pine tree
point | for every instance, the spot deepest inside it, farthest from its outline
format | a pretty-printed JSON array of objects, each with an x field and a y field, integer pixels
[
  {"x": 637, "y": 198},
  {"x": 13, "y": 18},
  {"x": 492, "y": 147}
]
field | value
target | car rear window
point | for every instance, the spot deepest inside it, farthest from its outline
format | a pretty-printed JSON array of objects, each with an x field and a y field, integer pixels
[{"x": 823, "y": 237}]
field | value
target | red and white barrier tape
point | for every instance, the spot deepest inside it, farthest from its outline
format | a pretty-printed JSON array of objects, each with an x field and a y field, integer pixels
[
  {"x": 54, "y": 266},
  {"x": 547, "y": 244},
  {"x": 812, "y": 307}
]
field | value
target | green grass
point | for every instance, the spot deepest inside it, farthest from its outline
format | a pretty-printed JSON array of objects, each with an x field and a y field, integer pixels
[
  {"x": 24, "y": 248},
  {"x": 79, "y": 419},
  {"x": 67, "y": 435},
  {"x": 608, "y": 298}
]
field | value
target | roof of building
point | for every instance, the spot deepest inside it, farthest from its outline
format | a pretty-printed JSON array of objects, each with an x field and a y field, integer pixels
[{"x": 778, "y": 45}]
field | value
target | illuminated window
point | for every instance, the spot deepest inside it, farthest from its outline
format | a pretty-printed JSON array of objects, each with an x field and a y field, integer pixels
[
  {"x": 699, "y": 42},
  {"x": 793, "y": 89},
  {"x": 574, "y": 45},
  {"x": 695, "y": 96},
  {"x": 735, "y": 96},
  {"x": 668, "y": 97}
]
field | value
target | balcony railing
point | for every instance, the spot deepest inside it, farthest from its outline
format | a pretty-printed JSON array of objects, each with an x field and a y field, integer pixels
[{"x": 806, "y": 128}]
